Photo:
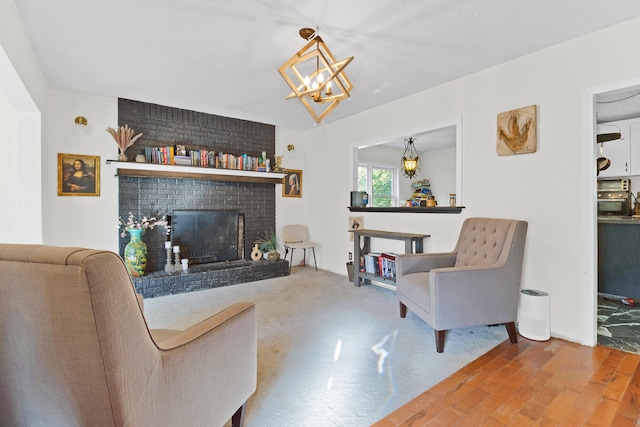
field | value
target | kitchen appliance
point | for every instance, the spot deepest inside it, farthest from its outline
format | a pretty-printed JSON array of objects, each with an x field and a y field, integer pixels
[
  {"x": 614, "y": 197},
  {"x": 359, "y": 199}
]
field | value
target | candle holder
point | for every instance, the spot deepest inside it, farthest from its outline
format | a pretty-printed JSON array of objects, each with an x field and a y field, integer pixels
[
  {"x": 176, "y": 254},
  {"x": 168, "y": 267}
]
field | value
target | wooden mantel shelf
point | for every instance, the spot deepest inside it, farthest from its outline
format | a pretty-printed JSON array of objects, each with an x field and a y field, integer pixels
[{"x": 152, "y": 170}]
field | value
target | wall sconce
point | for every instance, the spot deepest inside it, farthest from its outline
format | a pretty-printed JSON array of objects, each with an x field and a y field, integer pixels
[
  {"x": 305, "y": 73},
  {"x": 410, "y": 159},
  {"x": 81, "y": 126},
  {"x": 290, "y": 147}
]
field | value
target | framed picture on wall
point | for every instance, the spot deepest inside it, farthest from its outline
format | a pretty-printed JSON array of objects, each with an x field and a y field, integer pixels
[
  {"x": 78, "y": 175},
  {"x": 292, "y": 183}
]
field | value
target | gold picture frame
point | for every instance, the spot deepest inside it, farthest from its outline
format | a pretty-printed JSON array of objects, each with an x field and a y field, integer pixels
[
  {"x": 78, "y": 175},
  {"x": 292, "y": 183}
]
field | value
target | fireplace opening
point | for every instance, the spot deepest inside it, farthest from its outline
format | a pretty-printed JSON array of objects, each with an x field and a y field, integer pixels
[{"x": 206, "y": 236}]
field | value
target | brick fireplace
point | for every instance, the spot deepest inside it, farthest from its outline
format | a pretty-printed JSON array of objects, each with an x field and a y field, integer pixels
[{"x": 163, "y": 126}]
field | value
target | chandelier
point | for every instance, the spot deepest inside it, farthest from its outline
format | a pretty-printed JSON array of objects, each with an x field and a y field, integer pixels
[
  {"x": 316, "y": 78},
  {"x": 410, "y": 159}
]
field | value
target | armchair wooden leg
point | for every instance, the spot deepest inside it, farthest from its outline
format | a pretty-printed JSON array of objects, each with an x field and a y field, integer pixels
[
  {"x": 511, "y": 330},
  {"x": 403, "y": 311},
  {"x": 237, "y": 420},
  {"x": 440, "y": 341}
]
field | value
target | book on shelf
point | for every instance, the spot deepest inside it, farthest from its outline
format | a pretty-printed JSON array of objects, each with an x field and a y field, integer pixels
[
  {"x": 371, "y": 263},
  {"x": 381, "y": 264},
  {"x": 170, "y": 155},
  {"x": 182, "y": 160},
  {"x": 388, "y": 265},
  {"x": 159, "y": 155}
]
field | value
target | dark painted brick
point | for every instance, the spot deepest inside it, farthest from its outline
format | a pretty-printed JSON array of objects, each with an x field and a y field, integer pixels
[
  {"x": 208, "y": 276},
  {"x": 162, "y": 125}
]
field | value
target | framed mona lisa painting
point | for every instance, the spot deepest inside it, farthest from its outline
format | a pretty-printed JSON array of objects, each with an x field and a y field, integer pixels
[
  {"x": 292, "y": 183},
  {"x": 78, "y": 175}
]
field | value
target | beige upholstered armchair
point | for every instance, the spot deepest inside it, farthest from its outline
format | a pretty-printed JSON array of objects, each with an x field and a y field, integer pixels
[
  {"x": 478, "y": 283},
  {"x": 75, "y": 349}
]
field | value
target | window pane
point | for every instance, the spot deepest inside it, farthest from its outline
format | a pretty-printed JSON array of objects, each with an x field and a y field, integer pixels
[
  {"x": 382, "y": 187},
  {"x": 362, "y": 178}
]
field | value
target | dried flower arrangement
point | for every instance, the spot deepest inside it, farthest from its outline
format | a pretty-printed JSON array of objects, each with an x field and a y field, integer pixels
[
  {"x": 143, "y": 224},
  {"x": 124, "y": 137}
]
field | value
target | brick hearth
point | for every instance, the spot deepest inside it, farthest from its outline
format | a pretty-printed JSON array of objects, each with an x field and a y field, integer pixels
[{"x": 208, "y": 276}]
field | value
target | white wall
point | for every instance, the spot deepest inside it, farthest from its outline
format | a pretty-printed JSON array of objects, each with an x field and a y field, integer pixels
[
  {"x": 22, "y": 98},
  {"x": 559, "y": 252},
  {"x": 290, "y": 210},
  {"x": 81, "y": 221},
  {"x": 439, "y": 167},
  {"x": 9, "y": 184}
]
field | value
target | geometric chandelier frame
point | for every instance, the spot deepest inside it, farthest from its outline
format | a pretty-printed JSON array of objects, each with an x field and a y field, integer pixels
[{"x": 315, "y": 77}]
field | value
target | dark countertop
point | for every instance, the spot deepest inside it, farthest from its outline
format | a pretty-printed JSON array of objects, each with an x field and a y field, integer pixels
[
  {"x": 606, "y": 219},
  {"x": 414, "y": 209}
]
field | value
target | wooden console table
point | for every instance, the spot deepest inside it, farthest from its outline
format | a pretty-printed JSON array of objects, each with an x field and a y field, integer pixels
[{"x": 410, "y": 240}]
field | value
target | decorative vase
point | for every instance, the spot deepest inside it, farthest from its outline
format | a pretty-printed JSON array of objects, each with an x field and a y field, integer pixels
[
  {"x": 273, "y": 256},
  {"x": 256, "y": 253},
  {"x": 122, "y": 156},
  {"x": 135, "y": 253}
]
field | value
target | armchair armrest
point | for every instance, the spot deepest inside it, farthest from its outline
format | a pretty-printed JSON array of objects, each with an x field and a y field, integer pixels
[
  {"x": 416, "y": 263},
  {"x": 209, "y": 369},
  {"x": 474, "y": 295},
  {"x": 211, "y": 323}
]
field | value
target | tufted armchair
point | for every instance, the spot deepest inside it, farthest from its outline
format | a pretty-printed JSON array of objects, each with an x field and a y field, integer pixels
[
  {"x": 478, "y": 283},
  {"x": 75, "y": 349}
]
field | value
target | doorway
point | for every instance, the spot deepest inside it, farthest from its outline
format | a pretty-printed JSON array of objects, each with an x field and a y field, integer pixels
[{"x": 618, "y": 307}]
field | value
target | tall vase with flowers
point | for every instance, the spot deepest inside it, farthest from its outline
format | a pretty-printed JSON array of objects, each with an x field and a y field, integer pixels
[
  {"x": 135, "y": 253},
  {"x": 125, "y": 138}
]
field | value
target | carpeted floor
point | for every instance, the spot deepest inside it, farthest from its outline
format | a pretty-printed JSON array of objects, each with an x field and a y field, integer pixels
[{"x": 330, "y": 353}]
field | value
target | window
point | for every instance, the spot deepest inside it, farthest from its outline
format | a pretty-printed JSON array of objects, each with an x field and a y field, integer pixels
[{"x": 380, "y": 182}]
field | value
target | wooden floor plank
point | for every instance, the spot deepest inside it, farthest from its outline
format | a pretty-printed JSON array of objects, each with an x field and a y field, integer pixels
[
  {"x": 630, "y": 402},
  {"x": 532, "y": 383}
]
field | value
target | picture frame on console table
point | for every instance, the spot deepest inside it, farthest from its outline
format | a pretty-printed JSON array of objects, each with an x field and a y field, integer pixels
[
  {"x": 292, "y": 183},
  {"x": 78, "y": 175}
]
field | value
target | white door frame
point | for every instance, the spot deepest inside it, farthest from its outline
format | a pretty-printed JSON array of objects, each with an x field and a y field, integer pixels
[{"x": 590, "y": 198}]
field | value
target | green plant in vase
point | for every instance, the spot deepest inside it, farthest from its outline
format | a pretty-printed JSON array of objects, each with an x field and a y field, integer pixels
[{"x": 269, "y": 244}]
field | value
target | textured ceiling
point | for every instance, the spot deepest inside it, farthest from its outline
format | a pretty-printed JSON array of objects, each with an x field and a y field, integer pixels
[{"x": 221, "y": 57}]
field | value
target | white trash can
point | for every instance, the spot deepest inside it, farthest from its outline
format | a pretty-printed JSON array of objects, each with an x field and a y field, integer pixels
[{"x": 533, "y": 315}]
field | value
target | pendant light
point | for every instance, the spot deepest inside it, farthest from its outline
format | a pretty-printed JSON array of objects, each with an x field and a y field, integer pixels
[
  {"x": 315, "y": 77},
  {"x": 410, "y": 158}
]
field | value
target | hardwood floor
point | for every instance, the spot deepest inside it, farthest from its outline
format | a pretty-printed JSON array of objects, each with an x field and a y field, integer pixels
[{"x": 550, "y": 383}]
